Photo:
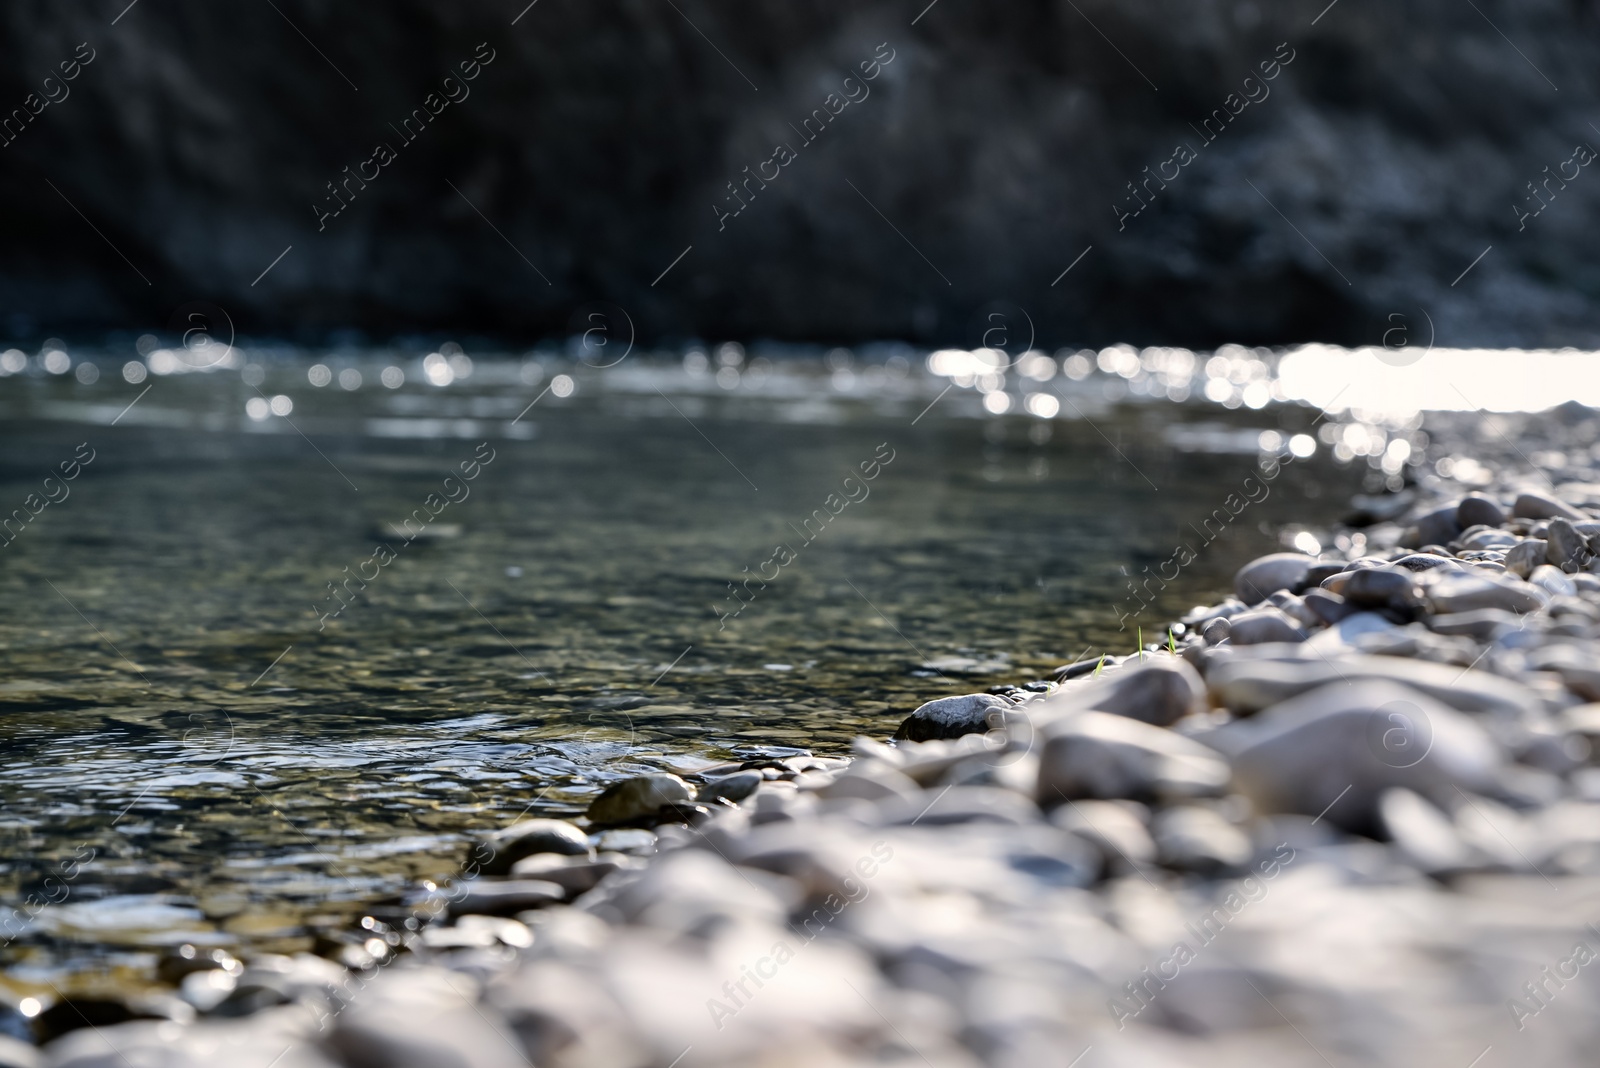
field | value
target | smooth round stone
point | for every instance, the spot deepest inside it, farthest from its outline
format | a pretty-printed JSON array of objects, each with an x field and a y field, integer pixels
[
  {"x": 730, "y": 787},
  {"x": 1526, "y": 555},
  {"x": 1540, "y": 506},
  {"x": 639, "y": 798},
  {"x": 505, "y": 897},
  {"x": 1553, "y": 581},
  {"x": 1191, "y": 838},
  {"x": 1105, "y": 756},
  {"x": 952, "y": 717},
  {"x": 1112, "y": 827},
  {"x": 1265, "y": 625},
  {"x": 1383, "y": 587},
  {"x": 1481, "y": 624},
  {"x": 1421, "y": 832},
  {"x": 1266, "y": 575},
  {"x": 1467, "y": 593},
  {"x": 1162, "y": 690},
  {"x": 1438, "y": 527},
  {"x": 1328, "y": 607},
  {"x": 1217, "y": 630},
  {"x": 1487, "y": 539},
  {"x": 1475, "y": 508},
  {"x": 1333, "y": 750},
  {"x": 526, "y": 838},
  {"x": 1565, "y": 547},
  {"x": 1416, "y": 562}
]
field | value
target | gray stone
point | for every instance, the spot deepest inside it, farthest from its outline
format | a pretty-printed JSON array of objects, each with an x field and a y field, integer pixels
[
  {"x": 638, "y": 798},
  {"x": 1328, "y": 607},
  {"x": 1112, "y": 827},
  {"x": 1475, "y": 508},
  {"x": 1540, "y": 506},
  {"x": 1248, "y": 686},
  {"x": 1566, "y": 547},
  {"x": 1526, "y": 555},
  {"x": 1421, "y": 832},
  {"x": 572, "y": 875},
  {"x": 1216, "y": 630},
  {"x": 1267, "y": 574},
  {"x": 1161, "y": 690},
  {"x": 1438, "y": 527},
  {"x": 1487, "y": 540},
  {"x": 503, "y": 897},
  {"x": 870, "y": 780},
  {"x": 735, "y": 787},
  {"x": 1423, "y": 562},
  {"x": 1482, "y": 624},
  {"x": 1467, "y": 593},
  {"x": 1346, "y": 742},
  {"x": 1197, "y": 839},
  {"x": 960, "y": 804},
  {"x": 525, "y": 838},
  {"x": 951, "y": 717},
  {"x": 424, "y": 1017},
  {"x": 1553, "y": 580},
  {"x": 1264, "y": 625},
  {"x": 1100, "y": 755},
  {"x": 1382, "y": 587}
]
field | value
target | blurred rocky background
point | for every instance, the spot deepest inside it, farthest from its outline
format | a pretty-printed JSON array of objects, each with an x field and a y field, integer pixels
[{"x": 1397, "y": 145}]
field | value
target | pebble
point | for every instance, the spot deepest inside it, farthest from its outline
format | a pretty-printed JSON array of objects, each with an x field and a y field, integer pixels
[
  {"x": 1476, "y": 509},
  {"x": 1540, "y": 506},
  {"x": 1467, "y": 593},
  {"x": 1423, "y": 833},
  {"x": 1436, "y": 527},
  {"x": 870, "y": 780},
  {"x": 1115, "y": 828},
  {"x": 1349, "y": 741},
  {"x": 1553, "y": 581},
  {"x": 951, "y": 717},
  {"x": 1100, "y": 755},
  {"x": 1526, "y": 555},
  {"x": 500, "y": 851},
  {"x": 1264, "y": 625},
  {"x": 504, "y": 897},
  {"x": 1192, "y": 838},
  {"x": 1565, "y": 547},
  {"x": 1265, "y": 575},
  {"x": 1394, "y": 588},
  {"x": 1328, "y": 607},
  {"x": 1482, "y": 624},
  {"x": 732, "y": 788},
  {"x": 639, "y": 798},
  {"x": 1160, "y": 690}
]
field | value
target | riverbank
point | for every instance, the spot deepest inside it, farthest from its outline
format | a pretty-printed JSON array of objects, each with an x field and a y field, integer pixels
[{"x": 1348, "y": 815}]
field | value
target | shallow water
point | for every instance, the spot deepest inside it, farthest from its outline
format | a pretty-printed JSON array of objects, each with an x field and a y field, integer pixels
[{"x": 247, "y": 772}]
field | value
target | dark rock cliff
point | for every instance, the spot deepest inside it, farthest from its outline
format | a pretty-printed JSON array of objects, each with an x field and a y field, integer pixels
[{"x": 597, "y": 142}]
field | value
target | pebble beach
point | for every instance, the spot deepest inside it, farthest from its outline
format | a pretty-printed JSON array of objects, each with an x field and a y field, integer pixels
[{"x": 1349, "y": 814}]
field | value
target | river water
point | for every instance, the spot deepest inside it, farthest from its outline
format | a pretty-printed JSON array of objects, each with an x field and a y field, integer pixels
[{"x": 235, "y": 753}]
